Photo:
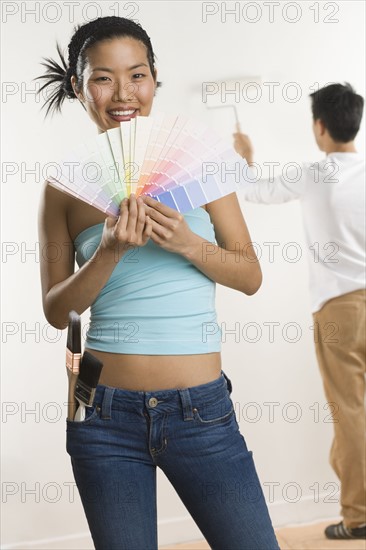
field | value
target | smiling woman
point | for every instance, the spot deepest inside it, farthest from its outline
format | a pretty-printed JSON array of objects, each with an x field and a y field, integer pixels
[
  {"x": 163, "y": 399},
  {"x": 112, "y": 67}
]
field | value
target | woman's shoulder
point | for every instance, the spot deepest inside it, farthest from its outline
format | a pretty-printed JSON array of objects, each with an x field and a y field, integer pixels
[
  {"x": 54, "y": 196},
  {"x": 223, "y": 206},
  {"x": 75, "y": 214},
  {"x": 53, "y": 202}
]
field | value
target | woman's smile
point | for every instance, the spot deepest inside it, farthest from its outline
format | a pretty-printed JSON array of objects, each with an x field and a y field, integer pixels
[
  {"x": 118, "y": 84},
  {"x": 123, "y": 113}
]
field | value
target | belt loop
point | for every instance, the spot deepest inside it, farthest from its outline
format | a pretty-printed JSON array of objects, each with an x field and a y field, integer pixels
[
  {"x": 186, "y": 404},
  {"x": 107, "y": 403}
]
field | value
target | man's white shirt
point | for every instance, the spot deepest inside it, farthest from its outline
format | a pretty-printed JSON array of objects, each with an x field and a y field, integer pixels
[{"x": 332, "y": 197}]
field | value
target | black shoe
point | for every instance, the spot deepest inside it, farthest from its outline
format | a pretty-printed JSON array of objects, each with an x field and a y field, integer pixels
[{"x": 340, "y": 531}]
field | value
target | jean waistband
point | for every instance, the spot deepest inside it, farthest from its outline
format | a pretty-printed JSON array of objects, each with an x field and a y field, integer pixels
[{"x": 108, "y": 397}]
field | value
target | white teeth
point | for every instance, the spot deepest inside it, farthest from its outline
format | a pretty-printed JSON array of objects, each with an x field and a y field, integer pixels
[{"x": 122, "y": 113}]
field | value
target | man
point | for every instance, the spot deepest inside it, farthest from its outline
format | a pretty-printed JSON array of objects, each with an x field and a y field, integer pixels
[{"x": 332, "y": 197}]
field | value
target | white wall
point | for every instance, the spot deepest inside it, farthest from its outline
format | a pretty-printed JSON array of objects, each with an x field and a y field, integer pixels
[{"x": 292, "y": 456}]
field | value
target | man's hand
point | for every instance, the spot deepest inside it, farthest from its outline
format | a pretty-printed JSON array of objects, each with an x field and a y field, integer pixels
[{"x": 243, "y": 146}]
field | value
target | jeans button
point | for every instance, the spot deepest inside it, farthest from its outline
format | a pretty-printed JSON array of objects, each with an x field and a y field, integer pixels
[{"x": 153, "y": 402}]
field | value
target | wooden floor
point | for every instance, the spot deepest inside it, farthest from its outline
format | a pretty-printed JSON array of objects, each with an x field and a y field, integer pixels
[{"x": 305, "y": 537}]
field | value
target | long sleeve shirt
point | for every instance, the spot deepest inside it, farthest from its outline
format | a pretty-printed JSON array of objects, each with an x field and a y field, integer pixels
[{"x": 332, "y": 197}]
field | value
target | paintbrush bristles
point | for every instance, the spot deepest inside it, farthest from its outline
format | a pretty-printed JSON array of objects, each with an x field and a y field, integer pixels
[{"x": 90, "y": 369}]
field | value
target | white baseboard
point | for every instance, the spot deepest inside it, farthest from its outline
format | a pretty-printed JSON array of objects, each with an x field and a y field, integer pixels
[
  {"x": 183, "y": 529},
  {"x": 303, "y": 512},
  {"x": 81, "y": 541}
]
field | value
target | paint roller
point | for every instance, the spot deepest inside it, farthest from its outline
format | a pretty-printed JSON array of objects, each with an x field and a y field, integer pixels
[{"x": 226, "y": 94}]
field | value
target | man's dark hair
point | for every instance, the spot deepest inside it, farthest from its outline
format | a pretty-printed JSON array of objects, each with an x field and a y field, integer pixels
[{"x": 340, "y": 109}]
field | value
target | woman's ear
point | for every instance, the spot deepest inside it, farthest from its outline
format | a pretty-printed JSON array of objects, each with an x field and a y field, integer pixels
[
  {"x": 155, "y": 80},
  {"x": 78, "y": 94}
]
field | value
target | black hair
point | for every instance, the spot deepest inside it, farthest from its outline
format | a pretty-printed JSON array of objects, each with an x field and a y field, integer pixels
[
  {"x": 58, "y": 76},
  {"x": 340, "y": 109}
]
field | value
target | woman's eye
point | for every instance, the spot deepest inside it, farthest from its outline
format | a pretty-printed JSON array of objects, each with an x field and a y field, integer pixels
[
  {"x": 138, "y": 75},
  {"x": 102, "y": 78}
]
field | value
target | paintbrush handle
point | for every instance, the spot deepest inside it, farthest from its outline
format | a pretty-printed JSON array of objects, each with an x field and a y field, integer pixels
[
  {"x": 71, "y": 402},
  {"x": 80, "y": 413}
]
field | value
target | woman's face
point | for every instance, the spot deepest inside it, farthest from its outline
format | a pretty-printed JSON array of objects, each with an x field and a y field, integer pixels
[{"x": 117, "y": 82}]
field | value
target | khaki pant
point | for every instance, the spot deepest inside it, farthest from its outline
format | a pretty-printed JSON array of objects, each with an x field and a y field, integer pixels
[{"x": 340, "y": 348}]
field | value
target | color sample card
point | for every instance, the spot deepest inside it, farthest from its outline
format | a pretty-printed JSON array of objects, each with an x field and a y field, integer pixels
[{"x": 174, "y": 159}]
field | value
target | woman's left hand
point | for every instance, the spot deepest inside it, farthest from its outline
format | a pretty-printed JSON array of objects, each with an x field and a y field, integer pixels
[{"x": 169, "y": 228}]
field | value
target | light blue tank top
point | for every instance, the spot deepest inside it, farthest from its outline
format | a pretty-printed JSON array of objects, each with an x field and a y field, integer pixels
[{"x": 155, "y": 302}]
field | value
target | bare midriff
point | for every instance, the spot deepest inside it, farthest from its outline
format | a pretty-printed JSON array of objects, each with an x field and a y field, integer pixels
[{"x": 157, "y": 372}]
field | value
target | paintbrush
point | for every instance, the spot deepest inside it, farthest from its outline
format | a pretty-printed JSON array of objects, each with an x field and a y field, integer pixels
[
  {"x": 73, "y": 357},
  {"x": 86, "y": 384}
]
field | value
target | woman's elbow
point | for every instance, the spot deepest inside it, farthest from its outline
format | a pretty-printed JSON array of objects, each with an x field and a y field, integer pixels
[
  {"x": 55, "y": 323},
  {"x": 253, "y": 282},
  {"x": 52, "y": 319}
]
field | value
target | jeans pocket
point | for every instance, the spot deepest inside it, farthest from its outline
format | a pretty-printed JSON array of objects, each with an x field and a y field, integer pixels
[
  {"x": 91, "y": 413},
  {"x": 215, "y": 412}
]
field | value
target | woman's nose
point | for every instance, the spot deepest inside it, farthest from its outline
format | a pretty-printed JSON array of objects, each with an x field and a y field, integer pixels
[{"x": 124, "y": 91}]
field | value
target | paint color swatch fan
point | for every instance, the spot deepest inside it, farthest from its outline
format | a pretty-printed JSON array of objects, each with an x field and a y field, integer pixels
[{"x": 173, "y": 159}]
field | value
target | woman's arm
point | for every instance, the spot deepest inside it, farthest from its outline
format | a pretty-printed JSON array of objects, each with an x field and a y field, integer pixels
[
  {"x": 232, "y": 263},
  {"x": 62, "y": 289}
]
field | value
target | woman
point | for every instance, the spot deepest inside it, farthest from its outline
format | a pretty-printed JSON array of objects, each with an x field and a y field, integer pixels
[{"x": 162, "y": 399}]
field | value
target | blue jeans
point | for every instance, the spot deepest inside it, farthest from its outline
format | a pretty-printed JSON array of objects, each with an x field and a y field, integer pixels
[{"x": 191, "y": 434}]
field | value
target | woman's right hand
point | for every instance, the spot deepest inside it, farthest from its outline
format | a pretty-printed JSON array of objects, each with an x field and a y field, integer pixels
[{"x": 132, "y": 228}]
